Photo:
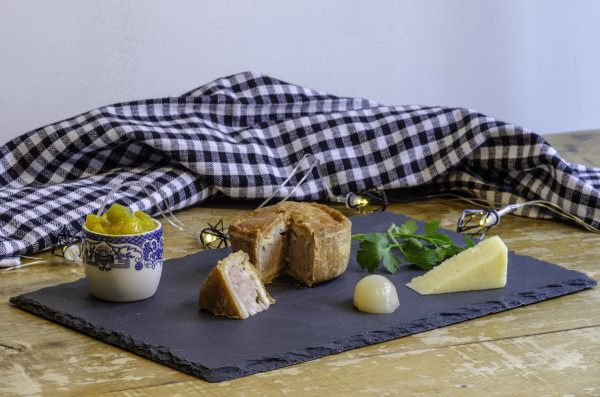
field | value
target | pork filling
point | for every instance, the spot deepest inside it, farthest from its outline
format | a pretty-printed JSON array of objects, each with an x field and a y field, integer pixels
[
  {"x": 272, "y": 254},
  {"x": 300, "y": 254},
  {"x": 246, "y": 290}
]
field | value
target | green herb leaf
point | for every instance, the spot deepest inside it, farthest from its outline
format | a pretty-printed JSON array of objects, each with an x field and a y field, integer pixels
[
  {"x": 409, "y": 227},
  {"x": 431, "y": 227},
  {"x": 441, "y": 238},
  {"x": 372, "y": 250},
  {"x": 468, "y": 241},
  {"x": 423, "y": 257},
  {"x": 449, "y": 252},
  {"x": 411, "y": 241},
  {"x": 391, "y": 262},
  {"x": 441, "y": 253},
  {"x": 423, "y": 250}
]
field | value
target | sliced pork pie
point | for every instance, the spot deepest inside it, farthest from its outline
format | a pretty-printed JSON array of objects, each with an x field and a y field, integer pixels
[{"x": 234, "y": 288}]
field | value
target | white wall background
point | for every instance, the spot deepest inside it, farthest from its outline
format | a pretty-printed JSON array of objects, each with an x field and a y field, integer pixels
[{"x": 535, "y": 63}]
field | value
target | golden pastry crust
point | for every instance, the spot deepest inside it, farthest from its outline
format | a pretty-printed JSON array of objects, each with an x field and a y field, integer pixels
[
  {"x": 218, "y": 293},
  {"x": 309, "y": 241}
]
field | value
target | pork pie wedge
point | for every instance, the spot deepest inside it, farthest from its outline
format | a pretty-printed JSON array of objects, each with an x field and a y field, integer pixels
[{"x": 234, "y": 288}]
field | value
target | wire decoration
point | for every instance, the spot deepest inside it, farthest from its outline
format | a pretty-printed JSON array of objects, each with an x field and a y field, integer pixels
[
  {"x": 365, "y": 202},
  {"x": 66, "y": 237},
  {"x": 477, "y": 222},
  {"x": 66, "y": 243},
  {"x": 214, "y": 236},
  {"x": 208, "y": 237}
]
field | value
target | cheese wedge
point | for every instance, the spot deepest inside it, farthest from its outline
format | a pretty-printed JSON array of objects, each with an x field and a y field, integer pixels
[{"x": 483, "y": 266}]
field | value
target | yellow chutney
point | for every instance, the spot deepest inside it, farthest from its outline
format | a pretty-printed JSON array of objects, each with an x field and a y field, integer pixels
[{"x": 119, "y": 220}]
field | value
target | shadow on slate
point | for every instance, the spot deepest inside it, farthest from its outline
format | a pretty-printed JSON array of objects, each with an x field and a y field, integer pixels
[{"x": 305, "y": 323}]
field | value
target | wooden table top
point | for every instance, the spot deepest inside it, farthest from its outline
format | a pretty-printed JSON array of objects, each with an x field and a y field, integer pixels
[{"x": 549, "y": 348}]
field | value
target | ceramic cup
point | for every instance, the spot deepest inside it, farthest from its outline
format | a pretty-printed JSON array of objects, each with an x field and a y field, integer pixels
[{"x": 123, "y": 268}]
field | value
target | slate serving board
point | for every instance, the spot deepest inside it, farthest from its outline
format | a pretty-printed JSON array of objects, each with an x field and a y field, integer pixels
[{"x": 303, "y": 324}]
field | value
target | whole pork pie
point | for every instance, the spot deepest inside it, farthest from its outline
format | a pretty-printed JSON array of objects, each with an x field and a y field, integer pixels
[{"x": 308, "y": 241}]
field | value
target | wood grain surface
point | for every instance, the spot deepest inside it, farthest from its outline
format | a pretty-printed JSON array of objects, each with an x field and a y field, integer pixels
[{"x": 551, "y": 348}]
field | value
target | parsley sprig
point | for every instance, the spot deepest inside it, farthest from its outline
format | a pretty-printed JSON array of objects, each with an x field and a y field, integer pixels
[{"x": 423, "y": 250}]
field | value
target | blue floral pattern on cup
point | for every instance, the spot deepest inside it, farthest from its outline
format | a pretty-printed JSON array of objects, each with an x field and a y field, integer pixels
[{"x": 123, "y": 252}]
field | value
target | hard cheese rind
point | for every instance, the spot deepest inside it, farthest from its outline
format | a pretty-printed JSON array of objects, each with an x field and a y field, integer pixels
[{"x": 483, "y": 266}]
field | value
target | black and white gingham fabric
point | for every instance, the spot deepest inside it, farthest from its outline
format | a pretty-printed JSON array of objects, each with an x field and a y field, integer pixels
[{"x": 240, "y": 136}]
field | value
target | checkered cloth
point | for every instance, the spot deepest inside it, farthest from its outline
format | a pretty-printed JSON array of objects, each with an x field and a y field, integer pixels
[{"x": 240, "y": 136}]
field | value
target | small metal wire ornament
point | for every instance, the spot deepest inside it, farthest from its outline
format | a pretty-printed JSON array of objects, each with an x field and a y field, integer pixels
[
  {"x": 65, "y": 244},
  {"x": 313, "y": 164},
  {"x": 365, "y": 202},
  {"x": 214, "y": 236},
  {"x": 65, "y": 238},
  {"x": 477, "y": 222}
]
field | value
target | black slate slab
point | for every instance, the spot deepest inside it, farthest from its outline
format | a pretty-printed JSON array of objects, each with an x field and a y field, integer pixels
[{"x": 303, "y": 324}]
